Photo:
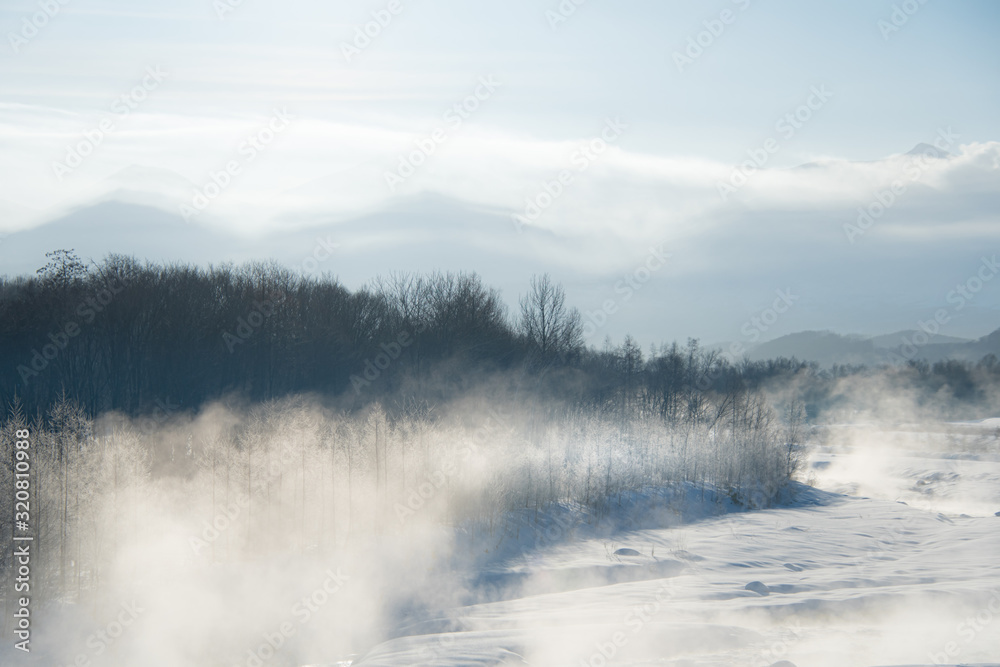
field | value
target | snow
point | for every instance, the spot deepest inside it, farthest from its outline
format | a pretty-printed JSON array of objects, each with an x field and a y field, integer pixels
[
  {"x": 839, "y": 574},
  {"x": 884, "y": 554}
]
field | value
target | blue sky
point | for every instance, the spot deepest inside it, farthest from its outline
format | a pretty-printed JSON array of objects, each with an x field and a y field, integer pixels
[
  {"x": 558, "y": 87},
  {"x": 606, "y": 58}
]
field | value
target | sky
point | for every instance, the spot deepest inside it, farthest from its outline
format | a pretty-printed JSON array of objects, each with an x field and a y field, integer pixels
[{"x": 259, "y": 119}]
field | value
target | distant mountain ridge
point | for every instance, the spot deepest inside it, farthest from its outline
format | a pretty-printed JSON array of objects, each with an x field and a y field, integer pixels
[
  {"x": 929, "y": 151},
  {"x": 920, "y": 150},
  {"x": 828, "y": 348}
]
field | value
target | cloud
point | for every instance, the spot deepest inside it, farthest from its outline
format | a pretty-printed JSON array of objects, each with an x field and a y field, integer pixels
[{"x": 785, "y": 228}]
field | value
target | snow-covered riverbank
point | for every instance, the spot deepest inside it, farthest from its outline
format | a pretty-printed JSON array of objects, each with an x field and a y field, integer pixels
[{"x": 846, "y": 579}]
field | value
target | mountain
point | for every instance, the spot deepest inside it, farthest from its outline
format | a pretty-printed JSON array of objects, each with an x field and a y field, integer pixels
[
  {"x": 928, "y": 150},
  {"x": 417, "y": 234},
  {"x": 824, "y": 347},
  {"x": 116, "y": 227},
  {"x": 827, "y": 348},
  {"x": 920, "y": 150},
  {"x": 894, "y": 340}
]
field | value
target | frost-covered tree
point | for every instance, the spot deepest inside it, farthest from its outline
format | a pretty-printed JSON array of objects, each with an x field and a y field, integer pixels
[{"x": 546, "y": 321}]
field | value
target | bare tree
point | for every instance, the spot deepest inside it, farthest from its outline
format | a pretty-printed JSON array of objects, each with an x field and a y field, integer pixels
[
  {"x": 63, "y": 268},
  {"x": 546, "y": 322},
  {"x": 795, "y": 416}
]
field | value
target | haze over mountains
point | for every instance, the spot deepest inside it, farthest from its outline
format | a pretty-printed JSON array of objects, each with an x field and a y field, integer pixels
[
  {"x": 828, "y": 348},
  {"x": 786, "y": 231}
]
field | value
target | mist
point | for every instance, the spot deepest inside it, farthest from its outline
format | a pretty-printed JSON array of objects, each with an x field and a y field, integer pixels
[
  {"x": 214, "y": 530},
  {"x": 293, "y": 532},
  {"x": 451, "y": 334}
]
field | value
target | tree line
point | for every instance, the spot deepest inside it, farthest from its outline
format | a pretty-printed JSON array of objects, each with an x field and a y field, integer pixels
[{"x": 150, "y": 339}]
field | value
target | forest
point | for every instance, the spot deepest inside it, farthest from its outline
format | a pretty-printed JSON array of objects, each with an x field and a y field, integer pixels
[
  {"x": 149, "y": 340},
  {"x": 204, "y": 403}
]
